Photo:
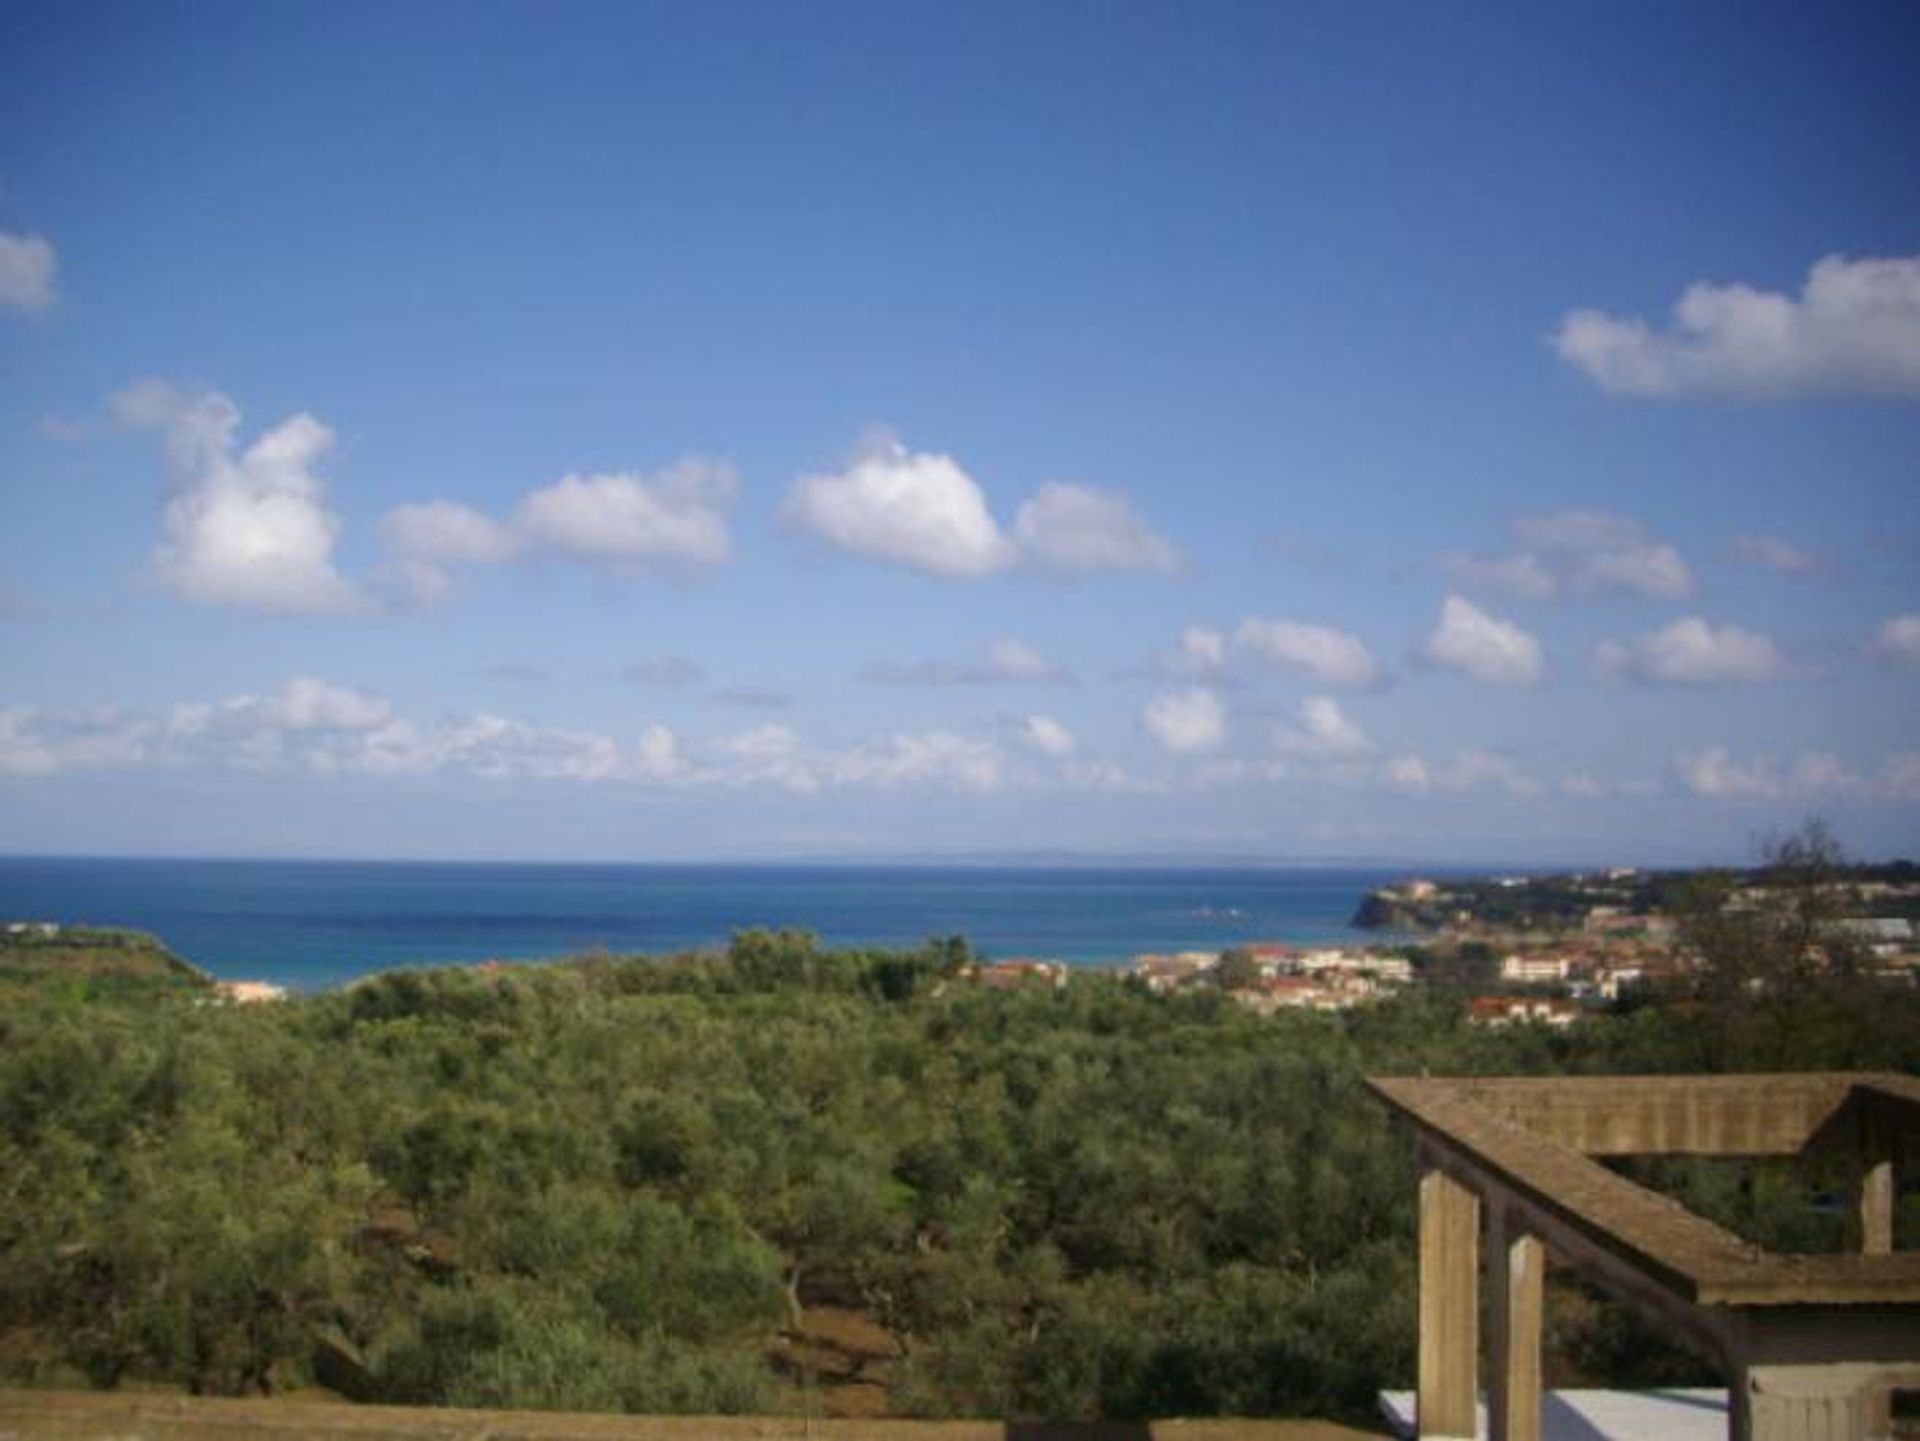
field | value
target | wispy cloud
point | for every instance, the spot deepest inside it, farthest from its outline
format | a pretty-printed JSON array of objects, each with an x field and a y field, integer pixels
[
  {"x": 1899, "y": 640},
  {"x": 28, "y": 267},
  {"x": 1595, "y": 552},
  {"x": 1575, "y": 553},
  {"x": 517, "y": 672},
  {"x": 1466, "y": 770},
  {"x": 1770, "y": 552},
  {"x": 753, "y": 698},
  {"x": 311, "y": 727},
  {"x": 665, "y": 672},
  {"x": 1521, "y": 576},
  {"x": 1201, "y": 653},
  {"x": 1007, "y": 661},
  {"x": 1047, "y": 736},
  {"x": 1716, "y": 773},
  {"x": 1323, "y": 732}
]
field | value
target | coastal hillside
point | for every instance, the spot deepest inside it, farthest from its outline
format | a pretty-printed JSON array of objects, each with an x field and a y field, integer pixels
[
  {"x": 92, "y": 961},
  {"x": 786, "y": 1178},
  {"x": 1622, "y": 897}
]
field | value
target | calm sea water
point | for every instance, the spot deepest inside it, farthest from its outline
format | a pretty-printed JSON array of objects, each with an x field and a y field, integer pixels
[{"x": 313, "y": 924}]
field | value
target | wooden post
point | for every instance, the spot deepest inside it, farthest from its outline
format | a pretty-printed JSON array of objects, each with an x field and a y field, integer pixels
[
  {"x": 1831, "y": 1402},
  {"x": 1516, "y": 1267},
  {"x": 1870, "y": 1224},
  {"x": 1873, "y": 1228},
  {"x": 1876, "y": 1207},
  {"x": 1449, "y": 1306}
]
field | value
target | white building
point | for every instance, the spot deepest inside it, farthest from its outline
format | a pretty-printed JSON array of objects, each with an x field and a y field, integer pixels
[{"x": 1536, "y": 970}]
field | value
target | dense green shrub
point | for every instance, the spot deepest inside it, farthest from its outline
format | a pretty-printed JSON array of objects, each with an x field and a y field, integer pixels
[{"x": 607, "y": 1185}]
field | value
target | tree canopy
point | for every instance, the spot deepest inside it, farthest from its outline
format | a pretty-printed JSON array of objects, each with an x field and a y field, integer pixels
[{"x": 616, "y": 1183}]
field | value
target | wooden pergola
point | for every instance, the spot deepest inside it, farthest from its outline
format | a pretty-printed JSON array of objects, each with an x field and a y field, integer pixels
[{"x": 1812, "y": 1346}]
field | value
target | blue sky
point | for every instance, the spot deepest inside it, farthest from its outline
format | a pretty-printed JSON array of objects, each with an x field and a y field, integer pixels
[{"x": 674, "y": 431}]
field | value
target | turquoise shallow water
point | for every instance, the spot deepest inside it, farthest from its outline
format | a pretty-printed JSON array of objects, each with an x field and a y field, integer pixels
[{"x": 313, "y": 924}]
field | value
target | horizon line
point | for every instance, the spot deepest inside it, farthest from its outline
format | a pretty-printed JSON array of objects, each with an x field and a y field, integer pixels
[{"x": 1051, "y": 859}]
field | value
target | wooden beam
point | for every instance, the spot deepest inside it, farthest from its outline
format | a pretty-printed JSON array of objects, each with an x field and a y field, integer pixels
[
  {"x": 1751, "y": 1115},
  {"x": 1586, "y": 1213}
]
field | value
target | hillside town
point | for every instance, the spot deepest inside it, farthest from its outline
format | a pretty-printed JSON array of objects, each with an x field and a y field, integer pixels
[{"x": 1538, "y": 950}]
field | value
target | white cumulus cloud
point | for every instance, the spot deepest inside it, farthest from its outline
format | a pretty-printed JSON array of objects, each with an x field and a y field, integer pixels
[
  {"x": 624, "y": 520},
  {"x": 1075, "y": 528},
  {"x": 1692, "y": 651},
  {"x": 27, "y": 268},
  {"x": 1483, "y": 646},
  {"x": 1854, "y": 327},
  {"x": 248, "y": 529},
  {"x": 1186, "y": 721},
  {"x": 675, "y": 515},
  {"x": 914, "y": 508},
  {"x": 924, "y": 511},
  {"x": 1334, "y": 657}
]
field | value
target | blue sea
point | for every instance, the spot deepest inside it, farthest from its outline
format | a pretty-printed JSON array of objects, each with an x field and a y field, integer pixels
[{"x": 310, "y": 925}]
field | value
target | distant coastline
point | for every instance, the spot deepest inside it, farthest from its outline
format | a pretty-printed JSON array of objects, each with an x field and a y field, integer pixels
[{"x": 310, "y": 925}]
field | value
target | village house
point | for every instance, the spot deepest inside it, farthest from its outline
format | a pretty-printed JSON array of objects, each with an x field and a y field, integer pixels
[
  {"x": 1163, "y": 973},
  {"x": 1612, "y": 980},
  {"x": 1885, "y": 936},
  {"x": 1536, "y": 970},
  {"x": 1293, "y": 992},
  {"x": 1522, "y": 1010},
  {"x": 1016, "y": 972}
]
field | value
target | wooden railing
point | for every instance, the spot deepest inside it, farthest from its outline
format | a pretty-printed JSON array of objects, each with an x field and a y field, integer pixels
[{"x": 1813, "y": 1345}]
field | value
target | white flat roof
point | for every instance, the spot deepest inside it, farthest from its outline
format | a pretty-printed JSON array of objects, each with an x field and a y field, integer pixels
[{"x": 1693, "y": 1414}]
